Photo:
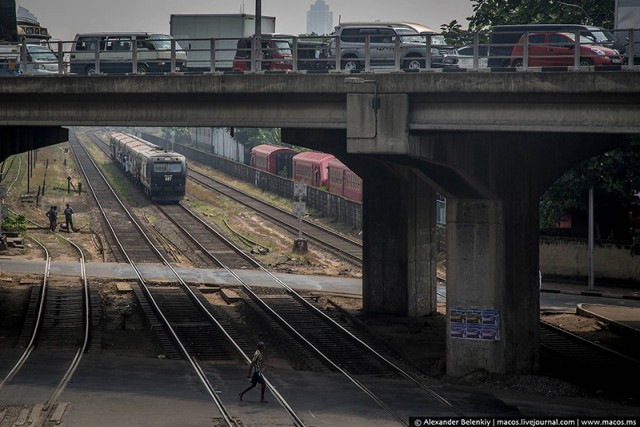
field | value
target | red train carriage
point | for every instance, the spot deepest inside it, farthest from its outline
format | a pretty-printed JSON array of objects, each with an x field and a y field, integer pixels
[
  {"x": 273, "y": 159},
  {"x": 344, "y": 182},
  {"x": 312, "y": 167}
]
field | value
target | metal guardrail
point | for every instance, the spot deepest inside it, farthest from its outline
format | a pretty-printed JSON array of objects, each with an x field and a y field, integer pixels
[{"x": 306, "y": 54}]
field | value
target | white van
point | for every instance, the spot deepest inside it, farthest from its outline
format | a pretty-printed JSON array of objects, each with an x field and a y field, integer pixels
[
  {"x": 41, "y": 61},
  {"x": 116, "y": 53}
]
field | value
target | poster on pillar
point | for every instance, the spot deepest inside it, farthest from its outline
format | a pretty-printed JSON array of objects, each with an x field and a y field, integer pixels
[{"x": 475, "y": 324}]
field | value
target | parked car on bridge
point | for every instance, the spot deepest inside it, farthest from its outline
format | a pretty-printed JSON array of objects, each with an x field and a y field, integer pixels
[
  {"x": 40, "y": 60},
  {"x": 382, "y": 39},
  {"x": 465, "y": 56},
  {"x": 275, "y": 49},
  {"x": 558, "y": 49},
  {"x": 115, "y": 53},
  {"x": 503, "y": 38}
]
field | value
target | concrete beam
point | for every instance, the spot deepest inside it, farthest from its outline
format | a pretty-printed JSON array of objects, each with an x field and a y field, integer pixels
[
  {"x": 377, "y": 123},
  {"x": 589, "y": 102}
]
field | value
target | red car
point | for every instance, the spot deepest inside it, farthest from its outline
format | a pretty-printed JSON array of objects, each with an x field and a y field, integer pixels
[
  {"x": 276, "y": 51},
  {"x": 548, "y": 49}
]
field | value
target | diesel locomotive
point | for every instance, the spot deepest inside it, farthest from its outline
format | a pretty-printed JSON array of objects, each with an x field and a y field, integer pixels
[{"x": 162, "y": 174}]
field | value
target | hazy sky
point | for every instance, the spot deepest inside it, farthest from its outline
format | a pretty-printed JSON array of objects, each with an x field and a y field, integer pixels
[{"x": 65, "y": 18}]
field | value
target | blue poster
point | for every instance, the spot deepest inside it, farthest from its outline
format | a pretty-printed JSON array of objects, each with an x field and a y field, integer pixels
[{"x": 475, "y": 324}]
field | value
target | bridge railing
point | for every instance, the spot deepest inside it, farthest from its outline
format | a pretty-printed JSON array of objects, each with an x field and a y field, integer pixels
[{"x": 330, "y": 54}]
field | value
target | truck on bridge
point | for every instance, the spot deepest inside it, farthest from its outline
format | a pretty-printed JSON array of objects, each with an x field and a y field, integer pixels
[
  {"x": 194, "y": 33},
  {"x": 627, "y": 26},
  {"x": 9, "y": 46}
]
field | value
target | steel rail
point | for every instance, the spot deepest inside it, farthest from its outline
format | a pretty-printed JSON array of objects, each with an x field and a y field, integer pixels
[
  {"x": 293, "y": 331},
  {"x": 190, "y": 359},
  {"x": 346, "y": 255},
  {"x": 87, "y": 322},
  {"x": 48, "y": 406},
  {"x": 310, "y": 306},
  {"x": 434, "y": 395},
  {"x": 29, "y": 348},
  {"x": 138, "y": 273}
]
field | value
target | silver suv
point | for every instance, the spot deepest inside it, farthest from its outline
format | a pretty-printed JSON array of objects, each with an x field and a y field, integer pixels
[{"x": 382, "y": 40}]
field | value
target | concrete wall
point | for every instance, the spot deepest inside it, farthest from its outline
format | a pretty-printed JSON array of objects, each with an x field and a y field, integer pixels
[{"x": 570, "y": 258}]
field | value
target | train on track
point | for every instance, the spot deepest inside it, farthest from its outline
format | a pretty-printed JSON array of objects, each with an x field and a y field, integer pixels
[
  {"x": 162, "y": 174},
  {"x": 314, "y": 168}
]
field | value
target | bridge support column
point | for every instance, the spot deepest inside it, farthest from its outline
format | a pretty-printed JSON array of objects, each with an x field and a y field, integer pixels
[
  {"x": 399, "y": 271},
  {"x": 493, "y": 183}
]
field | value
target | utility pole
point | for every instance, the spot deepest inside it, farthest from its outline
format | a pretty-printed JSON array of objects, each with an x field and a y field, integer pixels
[
  {"x": 257, "y": 38},
  {"x": 591, "y": 285}
]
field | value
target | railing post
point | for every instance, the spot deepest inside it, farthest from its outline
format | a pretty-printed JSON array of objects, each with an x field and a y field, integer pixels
[
  {"x": 134, "y": 53},
  {"x": 631, "y": 55},
  {"x": 173, "y": 56},
  {"x": 60, "y": 57},
  {"x": 476, "y": 50},
  {"x": 337, "y": 53},
  {"x": 397, "y": 41},
  {"x": 427, "y": 57},
  {"x": 294, "y": 54},
  {"x": 576, "y": 50},
  {"x": 97, "y": 56},
  {"x": 525, "y": 51},
  {"x": 367, "y": 53},
  {"x": 213, "y": 55},
  {"x": 23, "y": 58}
]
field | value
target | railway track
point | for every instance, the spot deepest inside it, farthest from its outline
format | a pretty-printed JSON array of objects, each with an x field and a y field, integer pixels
[
  {"x": 343, "y": 247},
  {"x": 289, "y": 314},
  {"x": 183, "y": 321},
  {"x": 280, "y": 308},
  {"x": 208, "y": 242},
  {"x": 587, "y": 363},
  {"x": 55, "y": 336},
  {"x": 123, "y": 233}
]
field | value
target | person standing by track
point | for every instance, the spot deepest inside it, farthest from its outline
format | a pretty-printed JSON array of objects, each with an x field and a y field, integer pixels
[
  {"x": 257, "y": 367},
  {"x": 68, "y": 217},
  {"x": 52, "y": 214}
]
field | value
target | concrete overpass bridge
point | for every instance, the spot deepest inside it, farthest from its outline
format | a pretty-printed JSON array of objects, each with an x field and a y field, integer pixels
[{"x": 491, "y": 142}]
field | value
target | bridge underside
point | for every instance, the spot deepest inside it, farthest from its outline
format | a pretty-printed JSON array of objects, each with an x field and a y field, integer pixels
[
  {"x": 493, "y": 182},
  {"x": 19, "y": 139},
  {"x": 490, "y": 142}
]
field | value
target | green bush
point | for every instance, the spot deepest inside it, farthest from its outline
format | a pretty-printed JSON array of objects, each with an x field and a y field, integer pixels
[{"x": 15, "y": 223}]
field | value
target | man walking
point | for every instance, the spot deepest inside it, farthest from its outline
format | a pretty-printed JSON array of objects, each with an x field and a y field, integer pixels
[
  {"x": 256, "y": 366},
  {"x": 68, "y": 217}
]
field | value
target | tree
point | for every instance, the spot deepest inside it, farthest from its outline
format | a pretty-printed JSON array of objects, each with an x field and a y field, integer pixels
[
  {"x": 615, "y": 178},
  {"x": 256, "y": 136},
  {"x": 488, "y": 13},
  {"x": 455, "y": 35},
  {"x": 177, "y": 132}
]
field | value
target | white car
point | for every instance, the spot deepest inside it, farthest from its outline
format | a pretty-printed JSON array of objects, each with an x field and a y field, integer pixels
[
  {"x": 465, "y": 56},
  {"x": 40, "y": 60}
]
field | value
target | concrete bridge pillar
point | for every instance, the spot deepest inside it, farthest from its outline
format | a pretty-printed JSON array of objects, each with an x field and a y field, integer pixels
[
  {"x": 493, "y": 183},
  {"x": 399, "y": 243},
  {"x": 399, "y": 224}
]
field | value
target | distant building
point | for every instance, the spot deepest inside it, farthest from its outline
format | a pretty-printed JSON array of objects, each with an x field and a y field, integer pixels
[{"x": 319, "y": 18}]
